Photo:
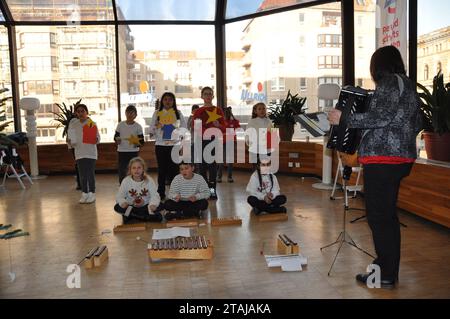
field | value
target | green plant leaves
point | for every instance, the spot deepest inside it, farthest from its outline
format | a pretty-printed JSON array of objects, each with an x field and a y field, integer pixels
[
  {"x": 284, "y": 114},
  {"x": 435, "y": 107}
]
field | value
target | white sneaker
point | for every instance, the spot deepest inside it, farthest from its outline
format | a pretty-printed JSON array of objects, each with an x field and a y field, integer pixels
[
  {"x": 91, "y": 198},
  {"x": 84, "y": 197}
]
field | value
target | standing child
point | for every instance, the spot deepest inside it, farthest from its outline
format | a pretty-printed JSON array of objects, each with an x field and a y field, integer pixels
[
  {"x": 229, "y": 140},
  {"x": 137, "y": 196},
  {"x": 188, "y": 194},
  {"x": 262, "y": 124},
  {"x": 265, "y": 191},
  {"x": 129, "y": 137},
  {"x": 165, "y": 120},
  {"x": 211, "y": 116},
  {"x": 83, "y": 136},
  {"x": 72, "y": 150}
]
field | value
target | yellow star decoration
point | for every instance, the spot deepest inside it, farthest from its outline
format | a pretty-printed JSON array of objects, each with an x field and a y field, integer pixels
[
  {"x": 90, "y": 123},
  {"x": 133, "y": 140},
  {"x": 213, "y": 116}
]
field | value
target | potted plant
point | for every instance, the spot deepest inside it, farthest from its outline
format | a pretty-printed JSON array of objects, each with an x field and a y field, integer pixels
[
  {"x": 65, "y": 115},
  {"x": 435, "y": 108},
  {"x": 282, "y": 115}
]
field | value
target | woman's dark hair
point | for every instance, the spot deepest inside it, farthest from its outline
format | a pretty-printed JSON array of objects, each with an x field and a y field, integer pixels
[
  {"x": 131, "y": 108},
  {"x": 195, "y": 107},
  {"x": 174, "y": 106},
  {"x": 82, "y": 106},
  {"x": 386, "y": 61},
  {"x": 258, "y": 170}
]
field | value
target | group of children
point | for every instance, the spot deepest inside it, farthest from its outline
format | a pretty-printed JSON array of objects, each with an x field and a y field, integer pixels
[{"x": 138, "y": 196}]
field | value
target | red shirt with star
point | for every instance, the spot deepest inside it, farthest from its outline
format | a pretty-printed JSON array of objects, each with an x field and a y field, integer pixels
[{"x": 208, "y": 115}]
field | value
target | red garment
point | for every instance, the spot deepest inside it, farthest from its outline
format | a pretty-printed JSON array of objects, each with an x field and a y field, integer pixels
[
  {"x": 231, "y": 124},
  {"x": 385, "y": 160},
  {"x": 203, "y": 115}
]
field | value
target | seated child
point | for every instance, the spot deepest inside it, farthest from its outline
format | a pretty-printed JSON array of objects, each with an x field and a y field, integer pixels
[
  {"x": 265, "y": 191},
  {"x": 137, "y": 196},
  {"x": 188, "y": 194}
]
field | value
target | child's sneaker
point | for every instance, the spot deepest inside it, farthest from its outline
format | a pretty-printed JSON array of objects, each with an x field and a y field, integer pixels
[
  {"x": 230, "y": 180},
  {"x": 256, "y": 211},
  {"x": 91, "y": 198},
  {"x": 84, "y": 197}
]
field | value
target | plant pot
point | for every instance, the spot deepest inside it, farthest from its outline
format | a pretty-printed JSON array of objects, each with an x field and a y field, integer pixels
[
  {"x": 286, "y": 132},
  {"x": 437, "y": 146}
]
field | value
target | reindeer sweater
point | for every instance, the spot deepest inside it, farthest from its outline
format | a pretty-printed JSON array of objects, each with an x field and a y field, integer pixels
[{"x": 138, "y": 193}]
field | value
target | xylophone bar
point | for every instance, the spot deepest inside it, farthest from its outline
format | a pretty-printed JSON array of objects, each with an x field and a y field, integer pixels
[
  {"x": 191, "y": 222},
  {"x": 196, "y": 247},
  {"x": 227, "y": 221},
  {"x": 272, "y": 217},
  {"x": 286, "y": 246},
  {"x": 129, "y": 228},
  {"x": 88, "y": 261}
]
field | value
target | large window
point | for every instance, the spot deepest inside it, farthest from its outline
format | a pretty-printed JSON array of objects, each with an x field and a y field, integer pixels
[
  {"x": 71, "y": 11},
  {"x": 166, "y": 10},
  {"x": 365, "y": 41},
  {"x": 178, "y": 59},
  {"x": 270, "y": 55},
  {"x": 433, "y": 46},
  {"x": 236, "y": 8},
  {"x": 64, "y": 64},
  {"x": 5, "y": 80}
]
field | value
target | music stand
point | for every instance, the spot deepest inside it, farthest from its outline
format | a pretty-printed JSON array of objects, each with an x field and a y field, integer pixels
[
  {"x": 351, "y": 100},
  {"x": 343, "y": 235}
]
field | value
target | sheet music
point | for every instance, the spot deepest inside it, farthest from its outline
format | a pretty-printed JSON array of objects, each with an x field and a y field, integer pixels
[
  {"x": 286, "y": 262},
  {"x": 173, "y": 232}
]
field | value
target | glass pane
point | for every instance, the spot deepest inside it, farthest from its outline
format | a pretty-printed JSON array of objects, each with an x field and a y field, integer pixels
[
  {"x": 295, "y": 50},
  {"x": 64, "y": 64},
  {"x": 365, "y": 41},
  {"x": 198, "y": 10},
  {"x": 237, "y": 8},
  {"x": 6, "y": 111},
  {"x": 2, "y": 18},
  {"x": 433, "y": 46},
  {"x": 179, "y": 59},
  {"x": 61, "y": 10}
]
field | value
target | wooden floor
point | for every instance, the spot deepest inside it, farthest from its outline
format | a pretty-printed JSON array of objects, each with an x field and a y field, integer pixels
[{"x": 63, "y": 231}]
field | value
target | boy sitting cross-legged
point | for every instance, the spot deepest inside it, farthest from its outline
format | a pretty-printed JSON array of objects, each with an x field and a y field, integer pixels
[{"x": 188, "y": 194}]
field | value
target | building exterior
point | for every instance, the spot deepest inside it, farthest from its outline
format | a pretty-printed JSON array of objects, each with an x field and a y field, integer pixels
[
  {"x": 433, "y": 55},
  {"x": 300, "y": 49}
]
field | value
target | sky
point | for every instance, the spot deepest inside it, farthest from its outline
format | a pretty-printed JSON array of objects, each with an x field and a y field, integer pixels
[{"x": 433, "y": 15}]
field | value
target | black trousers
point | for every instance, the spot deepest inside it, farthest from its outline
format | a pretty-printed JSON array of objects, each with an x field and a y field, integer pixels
[
  {"x": 140, "y": 213},
  {"x": 76, "y": 168},
  {"x": 263, "y": 206},
  {"x": 209, "y": 171},
  {"x": 167, "y": 169},
  {"x": 381, "y": 185},
  {"x": 188, "y": 208},
  {"x": 123, "y": 159},
  {"x": 86, "y": 168}
]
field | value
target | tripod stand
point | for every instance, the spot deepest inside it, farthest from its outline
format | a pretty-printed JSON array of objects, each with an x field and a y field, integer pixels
[{"x": 344, "y": 236}]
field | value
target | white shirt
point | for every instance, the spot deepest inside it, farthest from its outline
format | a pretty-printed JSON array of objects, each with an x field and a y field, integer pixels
[
  {"x": 75, "y": 137},
  {"x": 125, "y": 131},
  {"x": 138, "y": 193},
  {"x": 158, "y": 132},
  {"x": 262, "y": 126},
  {"x": 260, "y": 191}
]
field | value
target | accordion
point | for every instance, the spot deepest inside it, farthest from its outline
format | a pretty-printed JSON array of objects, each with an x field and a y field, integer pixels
[{"x": 351, "y": 100}]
